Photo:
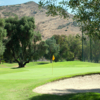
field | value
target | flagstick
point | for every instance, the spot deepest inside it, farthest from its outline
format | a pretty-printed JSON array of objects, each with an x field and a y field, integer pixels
[
  {"x": 52, "y": 67},
  {"x": 53, "y": 58}
]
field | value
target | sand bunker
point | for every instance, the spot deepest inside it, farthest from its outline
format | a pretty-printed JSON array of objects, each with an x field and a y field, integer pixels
[{"x": 80, "y": 84}]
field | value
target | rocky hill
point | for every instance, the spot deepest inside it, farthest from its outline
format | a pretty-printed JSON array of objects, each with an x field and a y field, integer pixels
[{"x": 48, "y": 26}]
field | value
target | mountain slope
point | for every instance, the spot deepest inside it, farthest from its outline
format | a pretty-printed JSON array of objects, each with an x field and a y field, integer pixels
[{"x": 48, "y": 26}]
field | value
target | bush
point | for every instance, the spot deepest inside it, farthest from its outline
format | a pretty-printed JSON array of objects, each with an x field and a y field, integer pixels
[
  {"x": 34, "y": 12},
  {"x": 74, "y": 24},
  {"x": 8, "y": 14},
  {"x": 64, "y": 25},
  {"x": 70, "y": 56},
  {"x": 2, "y": 7}
]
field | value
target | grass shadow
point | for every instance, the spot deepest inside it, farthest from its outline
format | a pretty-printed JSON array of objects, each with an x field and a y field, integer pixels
[
  {"x": 14, "y": 68},
  {"x": 78, "y": 96},
  {"x": 17, "y": 67},
  {"x": 43, "y": 63}
]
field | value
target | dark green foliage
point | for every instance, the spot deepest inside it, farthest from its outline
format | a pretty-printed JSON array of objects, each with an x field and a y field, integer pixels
[
  {"x": 53, "y": 48},
  {"x": 77, "y": 96},
  {"x": 64, "y": 49},
  {"x": 75, "y": 45},
  {"x": 2, "y": 48},
  {"x": 52, "y": 9},
  {"x": 88, "y": 13},
  {"x": 22, "y": 46},
  {"x": 39, "y": 50},
  {"x": 1, "y": 59},
  {"x": 91, "y": 50},
  {"x": 2, "y": 35},
  {"x": 70, "y": 47}
]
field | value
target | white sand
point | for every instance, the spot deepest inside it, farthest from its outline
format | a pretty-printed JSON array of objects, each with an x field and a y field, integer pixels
[{"x": 80, "y": 84}]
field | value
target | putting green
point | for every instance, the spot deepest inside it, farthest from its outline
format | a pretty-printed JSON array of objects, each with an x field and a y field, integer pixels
[
  {"x": 17, "y": 84},
  {"x": 43, "y": 73}
]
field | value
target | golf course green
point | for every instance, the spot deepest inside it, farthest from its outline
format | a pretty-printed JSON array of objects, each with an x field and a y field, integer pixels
[{"x": 18, "y": 83}]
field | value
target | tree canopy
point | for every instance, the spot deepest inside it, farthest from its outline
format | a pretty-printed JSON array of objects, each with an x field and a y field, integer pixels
[
  {"x": 22, "y": 46},
  {"x": 2, "y": 35},
  {"x": 53, "y": 48},
  {"x": 70, "y": 47}
]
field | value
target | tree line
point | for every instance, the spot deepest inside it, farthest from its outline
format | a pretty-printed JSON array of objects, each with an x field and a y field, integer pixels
[
  {"x": 20, "y": 39},
  {"x": 64, "y": 47},
  {"x": 19, "y": 42}
]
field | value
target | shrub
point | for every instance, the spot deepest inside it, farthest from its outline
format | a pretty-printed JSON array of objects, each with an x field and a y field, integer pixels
[
  {"x": 1, "y": 8},
  {"x": 8, "y": 14}
]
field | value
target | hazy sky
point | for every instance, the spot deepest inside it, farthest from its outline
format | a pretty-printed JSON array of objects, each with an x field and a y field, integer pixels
[{"x": 13, "y": 2}]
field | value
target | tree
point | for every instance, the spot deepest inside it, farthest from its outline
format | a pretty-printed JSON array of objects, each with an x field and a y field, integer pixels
[
  {"x": 22, "y": 46},
  {"x": 96, "y": 50},
  {"x": 53, "y": 48},
  {"x": 40, "y": 50},
  {"x": 64, "y": 48},
  {"x": 86, "y": 13},
  {"x": 2, "y": 35},
  {"x": 70, "y": 47},
  {"x": 75, "y": 45},
  {"x": 92, "y": 53}
]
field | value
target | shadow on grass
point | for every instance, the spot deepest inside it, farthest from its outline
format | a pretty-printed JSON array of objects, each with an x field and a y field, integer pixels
[
  {"x": 14, "y": 68},
  {"x": 43, "y": 63},
  {"x": 78, "y": 96},
  {"x": 17, "y": 67}
]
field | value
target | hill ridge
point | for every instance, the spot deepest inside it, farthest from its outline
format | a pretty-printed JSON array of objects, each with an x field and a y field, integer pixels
[{"x": 48, "y": 26}]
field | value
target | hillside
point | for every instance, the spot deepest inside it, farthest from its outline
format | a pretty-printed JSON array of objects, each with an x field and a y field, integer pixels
[{"x": 48, "y": 26}]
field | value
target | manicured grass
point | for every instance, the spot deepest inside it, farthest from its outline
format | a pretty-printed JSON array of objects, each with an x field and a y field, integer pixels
[{"x": 17, "y": 84}]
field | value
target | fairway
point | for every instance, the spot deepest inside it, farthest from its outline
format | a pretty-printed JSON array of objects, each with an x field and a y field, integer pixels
[{"x": 17, "y": 84}]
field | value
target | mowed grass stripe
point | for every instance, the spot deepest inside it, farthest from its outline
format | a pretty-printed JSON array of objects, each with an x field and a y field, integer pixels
[{"x": 37, "y": 73}]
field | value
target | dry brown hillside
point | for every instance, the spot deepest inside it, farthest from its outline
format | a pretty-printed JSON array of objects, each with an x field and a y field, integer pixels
[{"x": 48, "y": 26}]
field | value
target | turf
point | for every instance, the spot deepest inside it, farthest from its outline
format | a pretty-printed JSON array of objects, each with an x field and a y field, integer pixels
[{"x": 17, "y": 84}]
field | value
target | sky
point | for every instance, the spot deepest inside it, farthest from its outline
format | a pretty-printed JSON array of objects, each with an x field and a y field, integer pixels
[{"x": 13, "y": 2}]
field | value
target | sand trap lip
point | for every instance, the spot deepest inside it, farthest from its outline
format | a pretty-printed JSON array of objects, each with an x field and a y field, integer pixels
[{"x": 79, "y": 84}]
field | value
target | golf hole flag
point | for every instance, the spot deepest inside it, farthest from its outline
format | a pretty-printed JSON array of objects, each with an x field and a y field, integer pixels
[{"x": 53, "y": 57}]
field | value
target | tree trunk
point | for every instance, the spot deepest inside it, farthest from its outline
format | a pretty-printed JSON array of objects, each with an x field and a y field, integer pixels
[{"x": 21, "y": 65}]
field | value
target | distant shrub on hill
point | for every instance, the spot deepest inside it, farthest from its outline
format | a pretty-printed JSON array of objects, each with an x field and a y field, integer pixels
[
  {"x": 67, "y": 24},
  {"x": 2, "y": 7},
  {"x": 34, "y": 12},
  {"x": 74, "y": 23},
  {"x": 64, "y": 25},
  {"x": 8, "y": 14}
]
